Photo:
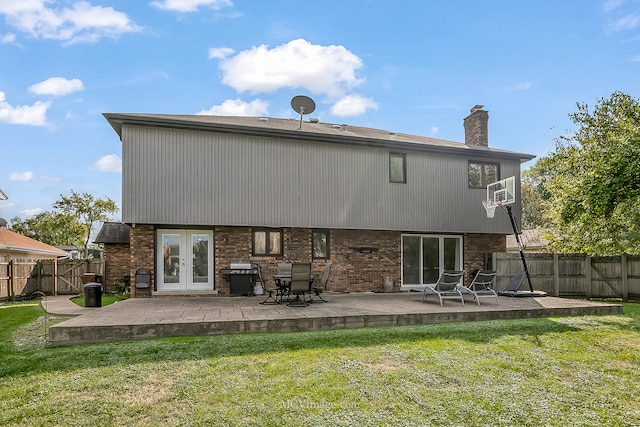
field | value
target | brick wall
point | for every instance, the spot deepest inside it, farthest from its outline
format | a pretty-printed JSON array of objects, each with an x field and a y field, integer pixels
[
  {"x": 117, "y": 260},
  {"x": 361, "y": 259},
  {"x": 142, "y": 241},
  {"x": 478, "y": 251},
  {"x": 353, "y": 269},
  {"x": 231, "y": 244}
]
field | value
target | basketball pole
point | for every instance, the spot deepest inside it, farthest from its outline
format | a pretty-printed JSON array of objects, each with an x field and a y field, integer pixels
[{"x": 516, "y": 232}]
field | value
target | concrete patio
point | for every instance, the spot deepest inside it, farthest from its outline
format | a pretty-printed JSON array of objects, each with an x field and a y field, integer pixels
[{"x": 145, "y": 318}]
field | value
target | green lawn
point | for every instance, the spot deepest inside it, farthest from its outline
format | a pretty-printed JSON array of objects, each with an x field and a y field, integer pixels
[
  {"x": 579, "y": 371},
  {"x": 106, "y": 299}
]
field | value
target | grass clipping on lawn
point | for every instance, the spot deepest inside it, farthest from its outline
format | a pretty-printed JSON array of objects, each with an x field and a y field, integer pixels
[
  {"x": 575, "y": 371},
  {"x": 34, "y": 335}
]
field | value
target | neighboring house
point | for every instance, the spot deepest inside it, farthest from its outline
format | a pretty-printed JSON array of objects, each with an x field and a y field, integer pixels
[
  {"x": 17, "y": 246},
  {"x": 18, "y": 254},
  {"x": 532, "y": 241},
  {"x": 115, "y": 238},
  {"x": 200, "y": 192},
  {"x": 78, "y": 253}
]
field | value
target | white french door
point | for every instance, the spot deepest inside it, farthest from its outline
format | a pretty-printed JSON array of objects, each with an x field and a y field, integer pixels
[{"x": 184, "y": 260}]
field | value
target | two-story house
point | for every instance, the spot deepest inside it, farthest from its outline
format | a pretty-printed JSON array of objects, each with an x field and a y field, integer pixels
[{"x": 200, "y": 192}]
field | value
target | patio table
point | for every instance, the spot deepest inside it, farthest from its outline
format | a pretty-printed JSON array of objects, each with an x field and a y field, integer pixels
[{"x": 283, "y": 282}]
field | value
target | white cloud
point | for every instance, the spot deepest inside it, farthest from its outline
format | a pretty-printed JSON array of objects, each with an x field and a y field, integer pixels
[
  {"x": 237, "y": 107},
  {"x": 81, "y": 22},
  {"x": 353, "y": 105},
  {"x": 32, "y": 212},
  {"x": 521, "y": 86},
  {"x": 21, "y": 176},
  {"x": 34, "y": 115},
  {"x": 8, "y": 38},
  {"x": 109, "y": 163},
  {"x": 628, "y": 22},
  {"x": 610, "y": 5},
  {"x": 329, "y": 70},
  {"x": 220, "y": 52},
  {"x": 190, "y": 5},
  {"x": 435, "y": 130},
  {"x": 57, "y": 86}
]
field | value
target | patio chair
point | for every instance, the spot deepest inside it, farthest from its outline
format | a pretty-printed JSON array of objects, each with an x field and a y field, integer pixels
[
  {"x": 284, "y": 269},
  {"x": 482, "y": 286},
  {"x": 282, "y": 279},
  {"x": 320, "y": 285},
  {"x": 299, "y": 285},
  {"x": 270, "y": 291},
  {"x": 446, "y": 287}
]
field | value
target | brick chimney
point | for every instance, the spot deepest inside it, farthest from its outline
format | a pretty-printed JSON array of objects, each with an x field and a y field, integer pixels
[{"x": 476, "y": 130}]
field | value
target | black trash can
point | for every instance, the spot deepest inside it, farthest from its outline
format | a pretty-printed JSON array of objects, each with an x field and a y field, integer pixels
[{"x": 92, "y": 295}]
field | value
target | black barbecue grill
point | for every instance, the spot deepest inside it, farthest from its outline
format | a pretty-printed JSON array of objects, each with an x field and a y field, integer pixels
[{"x": 241, "y": 277}]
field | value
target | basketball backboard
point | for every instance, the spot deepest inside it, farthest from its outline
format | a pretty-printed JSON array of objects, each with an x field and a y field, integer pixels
[{"x": 502, "y": 192}]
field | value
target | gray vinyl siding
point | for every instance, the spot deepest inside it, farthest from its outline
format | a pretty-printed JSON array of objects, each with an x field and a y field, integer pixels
[{"x": 194, "y": 178}]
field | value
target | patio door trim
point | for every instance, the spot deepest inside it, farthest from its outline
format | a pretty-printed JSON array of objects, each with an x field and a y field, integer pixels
[
  {"x": 183, "y": 261},
  {"x": 441, "y": 259}
]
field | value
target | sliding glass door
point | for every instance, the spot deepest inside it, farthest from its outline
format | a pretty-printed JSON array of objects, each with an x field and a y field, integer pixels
[{"x": 425, "y": 256}]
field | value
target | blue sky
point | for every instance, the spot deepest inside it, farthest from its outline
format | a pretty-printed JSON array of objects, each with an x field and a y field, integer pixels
[{"x": 408, "y": 66}]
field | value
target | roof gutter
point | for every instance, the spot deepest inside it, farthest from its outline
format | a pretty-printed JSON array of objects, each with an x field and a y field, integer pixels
[{"x": 32, "y": 250}]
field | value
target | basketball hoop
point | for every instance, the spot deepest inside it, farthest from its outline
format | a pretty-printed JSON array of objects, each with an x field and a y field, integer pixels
[{"x": 490, "y": 205}]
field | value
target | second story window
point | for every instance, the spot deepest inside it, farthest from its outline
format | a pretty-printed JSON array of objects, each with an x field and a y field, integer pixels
[
  {"x": 267, "y": 242},
  {"x": 481, "y": 174},
  {"x": 397, "y": 168}
]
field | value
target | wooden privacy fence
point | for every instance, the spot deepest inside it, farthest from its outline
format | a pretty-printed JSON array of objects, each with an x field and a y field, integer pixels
[
  {"x": 22, "y": 277},
  {"x": 579, "y": 276}
]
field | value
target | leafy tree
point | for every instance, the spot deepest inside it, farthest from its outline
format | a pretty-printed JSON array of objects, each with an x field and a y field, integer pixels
[
  {"x": 535, "y": 197},
  {"x": 87, "y": 210},
  {"x": 70, "y": 224},
  {"x": 593, "y": 180},
  {"x": 53, "y": 228}
]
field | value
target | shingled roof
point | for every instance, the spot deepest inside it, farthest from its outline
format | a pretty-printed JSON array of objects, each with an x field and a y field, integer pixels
[
  {"x": 312, "y": 130},
  {"x": 113, "y": 233},
  {"x": 14, "y": 242}
]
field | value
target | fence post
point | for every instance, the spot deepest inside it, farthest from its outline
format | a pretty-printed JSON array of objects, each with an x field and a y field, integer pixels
[
  {"x": 39, "y": 275},
  {"x": 587, "y": 264},
  {"x": 10, "y": 292},
  {"x": 556, "y": 276},
  {"x": 625, "y": 277}
]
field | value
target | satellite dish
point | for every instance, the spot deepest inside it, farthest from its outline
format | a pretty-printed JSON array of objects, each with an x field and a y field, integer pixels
[{"x": 302, "y": 105}]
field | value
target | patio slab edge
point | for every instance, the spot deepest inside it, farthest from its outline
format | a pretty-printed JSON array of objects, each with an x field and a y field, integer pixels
[{"x": 62, "y": 335}]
